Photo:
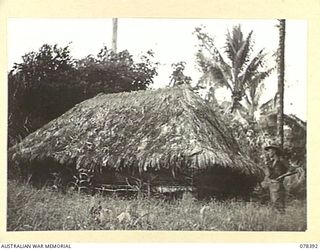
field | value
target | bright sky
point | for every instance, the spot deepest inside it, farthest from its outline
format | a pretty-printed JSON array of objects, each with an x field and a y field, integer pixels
[{"x": 172, "y": 41}]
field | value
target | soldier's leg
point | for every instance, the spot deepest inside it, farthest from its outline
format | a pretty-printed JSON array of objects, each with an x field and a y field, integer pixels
[{"x": 276, "y": 196}]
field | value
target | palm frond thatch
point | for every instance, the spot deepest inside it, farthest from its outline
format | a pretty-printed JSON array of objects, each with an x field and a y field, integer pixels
[{"x": 147, "y": 130}]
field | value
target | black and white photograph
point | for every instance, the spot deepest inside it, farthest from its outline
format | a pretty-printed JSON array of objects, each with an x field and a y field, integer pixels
[{"x": 160, "y": 124}]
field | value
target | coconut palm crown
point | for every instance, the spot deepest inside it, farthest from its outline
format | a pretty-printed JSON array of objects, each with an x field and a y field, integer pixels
[{"x": 237, "y": 68}]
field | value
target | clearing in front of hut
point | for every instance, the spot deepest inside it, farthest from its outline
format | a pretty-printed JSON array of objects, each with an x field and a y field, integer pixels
[{"x": 31, "y": 209}]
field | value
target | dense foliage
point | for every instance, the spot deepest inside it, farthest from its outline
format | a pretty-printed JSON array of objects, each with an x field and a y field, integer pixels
[
  {"x": 49, "y": 81},
  {"x": 177, "y": 76}
]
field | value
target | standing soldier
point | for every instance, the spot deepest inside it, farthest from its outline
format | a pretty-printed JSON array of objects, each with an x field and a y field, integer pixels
[{"x": 277, "y": 169}]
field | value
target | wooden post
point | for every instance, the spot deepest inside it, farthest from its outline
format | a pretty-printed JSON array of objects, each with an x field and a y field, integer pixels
[{"x": 114, "y": 34}]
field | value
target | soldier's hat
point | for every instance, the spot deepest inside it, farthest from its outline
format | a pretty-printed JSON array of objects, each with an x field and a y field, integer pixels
[{"x": 273, "y": 146}]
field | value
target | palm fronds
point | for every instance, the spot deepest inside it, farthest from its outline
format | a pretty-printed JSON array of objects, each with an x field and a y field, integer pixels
[
  {"x": 240, "y": 70},
  {"x": 170, "y": 128}
]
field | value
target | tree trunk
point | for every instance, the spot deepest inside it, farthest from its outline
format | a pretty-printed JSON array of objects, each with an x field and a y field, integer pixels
[
  {"x": 281, "y": 71},
  {"x": 114, "y": 34}
]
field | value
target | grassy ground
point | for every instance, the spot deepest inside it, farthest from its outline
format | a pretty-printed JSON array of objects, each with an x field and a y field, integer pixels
[{"x": 31, "y": 209}]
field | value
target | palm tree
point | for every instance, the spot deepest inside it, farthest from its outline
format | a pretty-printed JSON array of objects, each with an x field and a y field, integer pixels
[
  {"x": 114, "y": 34},
  {"x": 281, "y": 70},
  {"x": 240, "y": 72},
  {"x": 252, "y": 98}
]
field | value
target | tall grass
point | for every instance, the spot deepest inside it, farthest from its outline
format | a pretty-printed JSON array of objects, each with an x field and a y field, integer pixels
[{"x": 32, "y": 209}]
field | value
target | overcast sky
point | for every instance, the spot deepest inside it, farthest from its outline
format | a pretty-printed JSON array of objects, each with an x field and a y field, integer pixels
[{"x": 172, "y": 41}]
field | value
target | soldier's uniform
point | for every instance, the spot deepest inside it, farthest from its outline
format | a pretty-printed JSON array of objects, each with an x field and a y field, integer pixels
[{"x": 276, "y": 167}]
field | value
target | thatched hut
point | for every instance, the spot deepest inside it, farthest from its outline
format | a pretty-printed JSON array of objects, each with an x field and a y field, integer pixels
[{"x": 165, "y": 137}]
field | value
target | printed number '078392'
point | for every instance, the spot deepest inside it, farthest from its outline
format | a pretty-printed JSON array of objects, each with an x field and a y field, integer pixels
[{"x": 309, "y": 246}]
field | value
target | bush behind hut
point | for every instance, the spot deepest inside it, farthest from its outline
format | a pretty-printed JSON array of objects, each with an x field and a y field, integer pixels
[{"x": 49, "y": 81}]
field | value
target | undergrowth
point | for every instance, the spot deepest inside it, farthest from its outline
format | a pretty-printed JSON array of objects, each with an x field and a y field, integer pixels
[{"x": 31, "y": 209}]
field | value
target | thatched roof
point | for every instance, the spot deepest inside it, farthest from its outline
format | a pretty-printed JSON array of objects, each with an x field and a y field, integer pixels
[{"x": 152, "y": 129}]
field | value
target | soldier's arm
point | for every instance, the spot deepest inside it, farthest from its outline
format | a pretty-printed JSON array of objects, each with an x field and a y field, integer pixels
[
  {"x": 285, "y": 175},
  {"x": 291, "y": 171}
]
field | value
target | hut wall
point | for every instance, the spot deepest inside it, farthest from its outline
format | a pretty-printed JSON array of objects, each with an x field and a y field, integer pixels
[
  {"x": 41, "y": 172},
  {"x": 155, "y": 178}
]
